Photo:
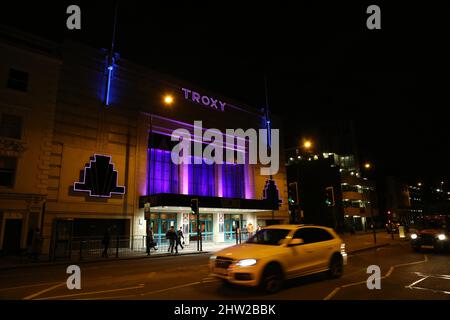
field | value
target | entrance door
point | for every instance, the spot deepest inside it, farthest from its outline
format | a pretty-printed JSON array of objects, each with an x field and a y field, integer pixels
[
  {"x": 13, "y": 232},
  {"x": 231, "y": 223},
  {"x": 160, "y": 223}
]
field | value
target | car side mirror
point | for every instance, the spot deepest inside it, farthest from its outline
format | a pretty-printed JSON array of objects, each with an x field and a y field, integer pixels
[{"x": 296, "y": 242}]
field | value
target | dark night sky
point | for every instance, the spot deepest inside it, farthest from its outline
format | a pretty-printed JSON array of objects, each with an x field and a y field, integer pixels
[{"x": 323, "y": 64}]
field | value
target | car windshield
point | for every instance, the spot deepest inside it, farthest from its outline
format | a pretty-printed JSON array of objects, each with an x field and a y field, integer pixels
[
  {"x": 432, "y": 224},
  {"x": 272, "y": 237}
]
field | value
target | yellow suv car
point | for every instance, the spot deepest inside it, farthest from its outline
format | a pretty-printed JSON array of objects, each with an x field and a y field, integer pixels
[{"x": 280, "y": 252}]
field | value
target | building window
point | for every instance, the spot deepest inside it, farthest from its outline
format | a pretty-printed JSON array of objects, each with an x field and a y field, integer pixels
[
  {"x": 233, "y": 180},
  {"x": 201, "y": 179},
  {"x": 18, "y": 80},
  {"x": 10, "y": 126},
  {"x": 7, "y": 171},
  {"x": 163, "y": 176}
]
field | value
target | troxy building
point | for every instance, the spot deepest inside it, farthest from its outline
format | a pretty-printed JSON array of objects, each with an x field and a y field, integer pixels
[{"x": 86, "y": 147}]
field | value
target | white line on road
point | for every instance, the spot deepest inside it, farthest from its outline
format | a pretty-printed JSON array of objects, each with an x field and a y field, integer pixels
[
  {"x": 415, "y": 282},
  {"x": 29, "y": 286},
  {"x": 432, "y": 290},
  {"x": 440, "y": 276},
  {"x": 388, "y": 274},
  {"x": 90, "y": 293},
  {"x": 172, "y": 288},
  {"x": 153, "y": 292},
  {"x": 34, "y": 295},
  {"x": 332, "y": 294}
]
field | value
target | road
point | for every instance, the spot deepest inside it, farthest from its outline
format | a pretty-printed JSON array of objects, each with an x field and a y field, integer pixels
[{"x": 405, "y": 275}]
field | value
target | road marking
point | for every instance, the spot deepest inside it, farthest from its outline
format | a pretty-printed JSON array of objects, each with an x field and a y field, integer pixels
[
  {"x": 416, "y": 282},
  {"x": 388, "y": 274},
  {"x": 90, "y": 293},
  {"x": 432, "y": 290},
  {"x": 440, "y": 276},
  {"x": 152, "y": 292},
  {"x": 171, "y": 288},
  {"x": 29, "y": 286},
  {"x": 332, "y": 294},
  {"x": 34, "y": 295}
]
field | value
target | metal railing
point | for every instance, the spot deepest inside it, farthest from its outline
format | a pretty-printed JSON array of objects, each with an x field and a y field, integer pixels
[{"x": 119, "y": 246}]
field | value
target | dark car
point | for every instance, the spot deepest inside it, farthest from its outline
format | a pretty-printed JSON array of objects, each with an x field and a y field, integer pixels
[{"x": 433, "y": 232}]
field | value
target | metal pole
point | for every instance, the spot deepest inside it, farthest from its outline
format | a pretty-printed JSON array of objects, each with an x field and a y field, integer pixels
[
  {"x": 198, "y": 230},
  {"x": 373, "y": 226}
]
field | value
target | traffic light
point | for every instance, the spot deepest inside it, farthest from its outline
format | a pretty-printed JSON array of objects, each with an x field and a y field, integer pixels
[
  {"x": 329, "y": 196},
  {"x": 194, "y": 206},
  {"x": 293, "y": 193}
]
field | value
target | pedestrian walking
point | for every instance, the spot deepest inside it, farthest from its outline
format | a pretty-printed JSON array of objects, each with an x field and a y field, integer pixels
[
  {"x": 106, "y": 242},
  {"x": 171, "y": 235},
  {"x": 179, "y": 237},
  {"x": 150, "y": 242},
  {"x": 250, "y": 229}
]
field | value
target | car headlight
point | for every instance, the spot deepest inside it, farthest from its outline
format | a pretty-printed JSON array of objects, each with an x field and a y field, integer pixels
[
  {"x": 414, "y": 236},
  {"x": 442, "y": 237},
  {"x": 246, "y": 263},
  {"x": 213, "y": 258}
]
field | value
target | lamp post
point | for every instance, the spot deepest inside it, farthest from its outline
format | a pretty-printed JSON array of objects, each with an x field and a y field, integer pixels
[
  {"x": 168, "y": 100},
  {"x": 368, "y": 166}
]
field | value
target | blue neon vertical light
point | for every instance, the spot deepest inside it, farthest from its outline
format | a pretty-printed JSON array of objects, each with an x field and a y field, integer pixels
[{"x": 108, "y": 85}]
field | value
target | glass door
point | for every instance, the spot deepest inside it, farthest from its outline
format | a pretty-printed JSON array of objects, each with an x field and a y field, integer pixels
[
  {"x": 206, "y": 227},
  {"x": 231, "y": 223},
  {"x": 160, "y": 223}
]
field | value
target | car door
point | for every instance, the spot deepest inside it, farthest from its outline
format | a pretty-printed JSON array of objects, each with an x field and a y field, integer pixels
[
  {"x": 293, "y": 256},
  {"x": 324, "y": 246},
  {"x": 304, "y": 258},
  {"x": 317, "y": 249}
]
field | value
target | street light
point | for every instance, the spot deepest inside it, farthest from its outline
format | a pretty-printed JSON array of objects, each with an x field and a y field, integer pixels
[
  {"x": 168, "y": 100},
  {"x": 307, "y": 144},
  {"x": 367, "y": 165}
]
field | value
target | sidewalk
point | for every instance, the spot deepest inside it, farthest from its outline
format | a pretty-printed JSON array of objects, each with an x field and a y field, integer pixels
[
  {"x": 13, "y": 262},
  {"x": 364, "y": 241},
  {"x": 353, "y": 243}
]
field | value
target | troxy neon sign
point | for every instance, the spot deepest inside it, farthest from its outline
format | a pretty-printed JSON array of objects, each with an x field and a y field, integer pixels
[{"x": 206, "y": 101}]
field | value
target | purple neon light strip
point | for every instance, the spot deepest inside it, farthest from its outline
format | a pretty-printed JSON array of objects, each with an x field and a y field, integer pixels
[
  {"x": 183, "y": 123},
  {"x": 194, "y": 140}
]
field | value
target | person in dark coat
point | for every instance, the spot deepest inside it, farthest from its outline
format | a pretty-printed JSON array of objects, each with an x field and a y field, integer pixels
[
  {"x": 150, "y": 241},
  {"x": 179, "y": 237},
  {"x": 171, "y": 235},
  {"x": 106, "y": 241}
]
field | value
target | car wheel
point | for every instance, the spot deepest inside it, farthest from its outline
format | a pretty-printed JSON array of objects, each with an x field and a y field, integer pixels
[
  {"x": 336, "y": 267},
  {"x": 272, "y": 279}
]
